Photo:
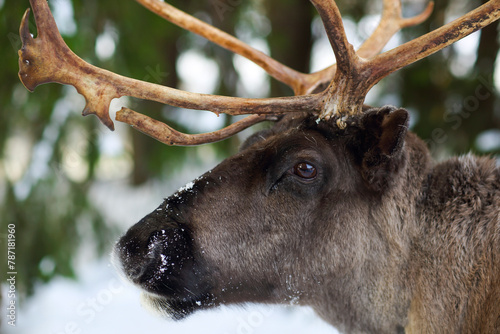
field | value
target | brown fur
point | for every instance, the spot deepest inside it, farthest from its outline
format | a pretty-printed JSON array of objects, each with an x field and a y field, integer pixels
[{"x": 382, "y": 240}]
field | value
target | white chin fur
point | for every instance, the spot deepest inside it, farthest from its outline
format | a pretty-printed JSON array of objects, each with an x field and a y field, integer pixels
[{"x": 156, "y": 305}]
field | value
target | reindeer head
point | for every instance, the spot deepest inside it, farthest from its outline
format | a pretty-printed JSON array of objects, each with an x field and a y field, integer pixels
[{"x": 260, "y": 226}]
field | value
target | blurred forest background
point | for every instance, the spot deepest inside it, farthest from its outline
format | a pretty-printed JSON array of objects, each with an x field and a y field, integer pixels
[{"x": 51, "y": 158}]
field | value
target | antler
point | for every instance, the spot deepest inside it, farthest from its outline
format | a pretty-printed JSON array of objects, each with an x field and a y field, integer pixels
[
  {"x": 301, "y": 83},
  {"x": 391, "y": 22},
  {"x": 355, "y": 75},
  {"x": 48, "y": 59}
]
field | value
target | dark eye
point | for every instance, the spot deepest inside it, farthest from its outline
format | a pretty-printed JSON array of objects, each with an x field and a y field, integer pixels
[{"x": 305, "y": 170}]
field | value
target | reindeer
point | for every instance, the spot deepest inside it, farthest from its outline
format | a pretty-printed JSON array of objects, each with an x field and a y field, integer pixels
[{"x": 337, "y": 206}]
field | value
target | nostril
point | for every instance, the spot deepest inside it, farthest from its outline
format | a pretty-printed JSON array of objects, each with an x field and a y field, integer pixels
[
  {"x": 130, "y": 254},
  {"x": 135, "y": 272},
  {"x": 128, "y": 248}
]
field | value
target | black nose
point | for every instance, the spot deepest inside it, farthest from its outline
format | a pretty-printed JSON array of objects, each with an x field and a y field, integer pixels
[{"x": 153, "y": 250}]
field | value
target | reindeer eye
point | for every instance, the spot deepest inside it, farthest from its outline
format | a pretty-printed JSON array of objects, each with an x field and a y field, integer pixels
[{"x": 305, "y": 170}]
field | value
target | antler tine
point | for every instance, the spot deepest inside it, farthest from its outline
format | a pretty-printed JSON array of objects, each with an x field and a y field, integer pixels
[
  {"x": 344, "y": 52},
  {"x": 48, "y": 59},
  {"x": 277, "y": 70},
  {"x": 390, "y": 23},
  {"x": 167, "y": 135}
]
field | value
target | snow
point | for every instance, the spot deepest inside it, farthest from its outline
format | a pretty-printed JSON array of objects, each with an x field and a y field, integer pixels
[
  {"x": 488, "y": 140},
  {"x": 187, "y": 187},
  {"x": 101, "y": 303}
]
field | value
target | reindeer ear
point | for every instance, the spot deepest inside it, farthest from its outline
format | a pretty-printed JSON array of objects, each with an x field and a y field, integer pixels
[{"x": 384, "y": 131}]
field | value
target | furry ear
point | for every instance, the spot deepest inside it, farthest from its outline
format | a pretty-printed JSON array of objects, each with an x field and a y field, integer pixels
[{"x": 383, "y": 135}]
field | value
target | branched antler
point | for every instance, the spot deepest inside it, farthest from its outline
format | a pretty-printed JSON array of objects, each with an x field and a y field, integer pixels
[
  {"x": 390, "y": 23},
  {"x": 47, "y": 58},
  {"x": 301, "y": 83},
  {"x": 356, "y": 76}
]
